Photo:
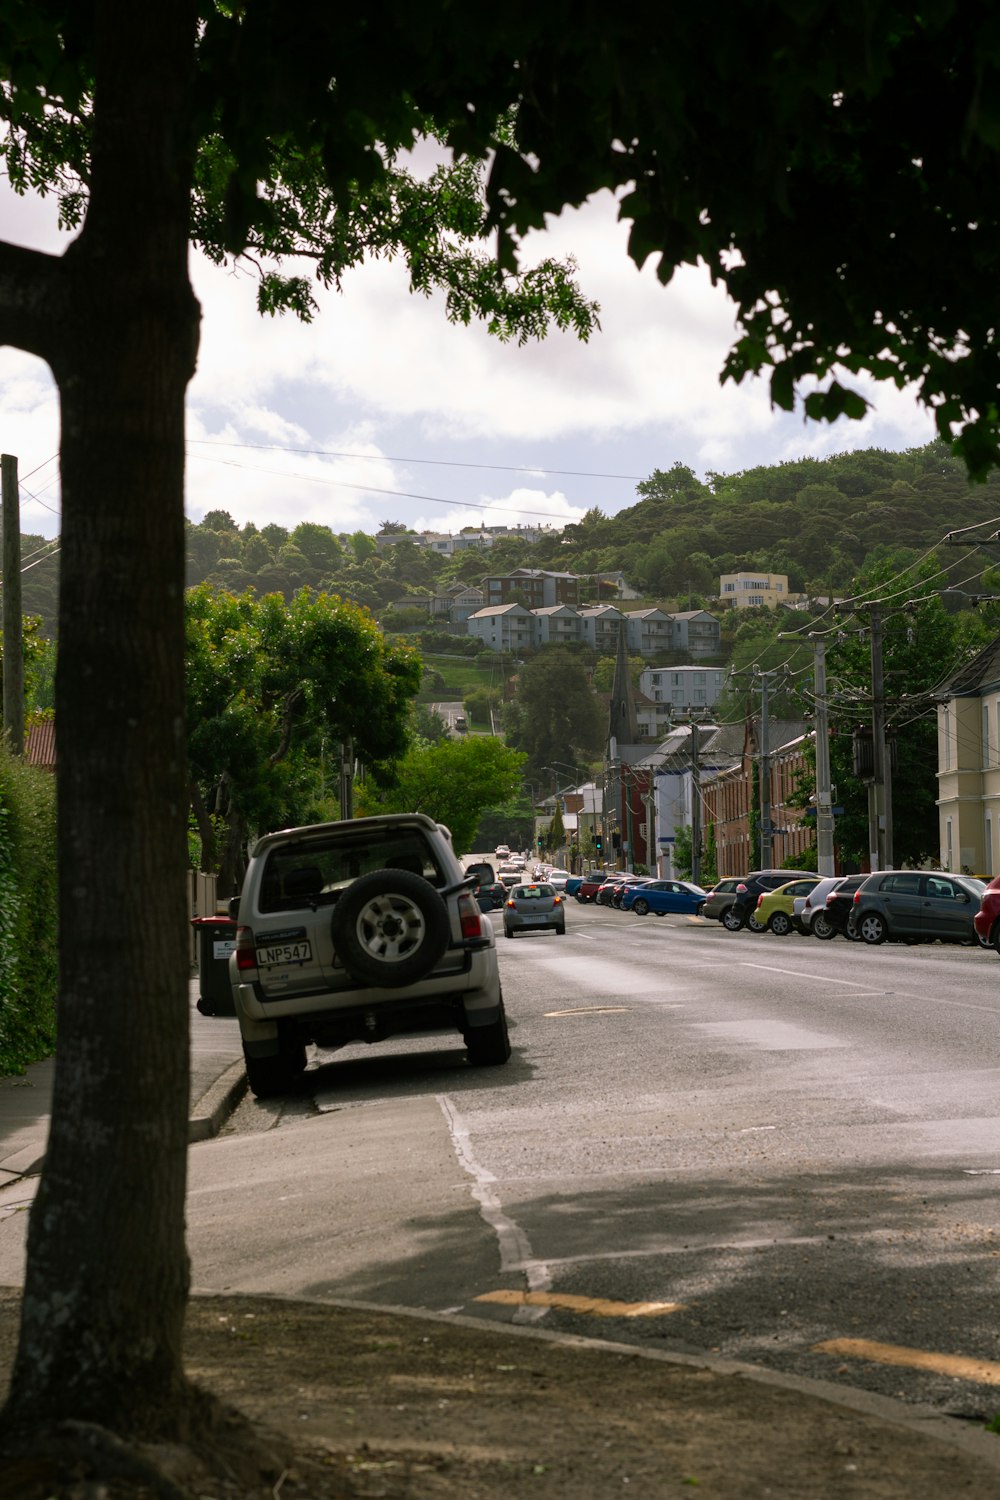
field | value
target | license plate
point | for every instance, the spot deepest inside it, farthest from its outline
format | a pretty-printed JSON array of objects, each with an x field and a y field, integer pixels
[
  {"x": 285, "y": 953},
  {"x": 533, "y": 919}
]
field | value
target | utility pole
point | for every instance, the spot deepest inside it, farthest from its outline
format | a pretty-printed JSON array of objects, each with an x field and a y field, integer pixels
[
  {"x": 824, "y": 792},
  {"x": 880, "y": 794},
  {"x": 695, "y": 808},
  {"x": 347, "y": 779},
  {"x": 765, "y": 774},
  {"x": 13, "y": 646}
]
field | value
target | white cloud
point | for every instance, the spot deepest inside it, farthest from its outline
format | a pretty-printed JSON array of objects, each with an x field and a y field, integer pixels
[{"x": 380, "y": 373}]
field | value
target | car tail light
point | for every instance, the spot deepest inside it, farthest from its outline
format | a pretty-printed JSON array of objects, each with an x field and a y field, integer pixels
[
  {"x": 760, "y": 899},
  {"x": 246, "y": 952},
  {"x": 857, "y": 896},
  {"x": 557, "y": 901},
  {"x": 470, "y": 918},
  {"x": 741, "y": 889}
]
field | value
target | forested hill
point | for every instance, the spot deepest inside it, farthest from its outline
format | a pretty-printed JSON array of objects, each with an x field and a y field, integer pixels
[{"x": 814, "y": 519}]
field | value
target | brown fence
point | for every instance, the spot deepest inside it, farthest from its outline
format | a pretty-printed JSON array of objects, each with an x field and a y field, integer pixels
[{"x": 201, "y": 903}]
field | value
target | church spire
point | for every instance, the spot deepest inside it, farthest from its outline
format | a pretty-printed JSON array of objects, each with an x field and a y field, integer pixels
[{"x": 623, "y": 726}]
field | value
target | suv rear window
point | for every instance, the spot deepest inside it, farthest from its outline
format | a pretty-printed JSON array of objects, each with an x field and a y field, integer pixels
[{"x": 319, "y": 869}]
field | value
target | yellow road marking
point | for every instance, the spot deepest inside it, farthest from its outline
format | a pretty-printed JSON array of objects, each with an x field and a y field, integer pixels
[
  {"x": 598, "y": 1307},
  {"x": 588, "y": 1010},
  {"x": 985, "y": 1371}
]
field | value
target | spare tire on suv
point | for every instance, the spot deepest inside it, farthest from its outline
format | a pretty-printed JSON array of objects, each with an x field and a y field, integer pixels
[{"x": 390, "y": 928}]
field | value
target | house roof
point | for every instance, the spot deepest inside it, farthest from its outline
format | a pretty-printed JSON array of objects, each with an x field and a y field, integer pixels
[
  {"x": 501, "y": 609},
  {"x": 976, "y": 676},
  {"x": 40, "y": 744}
]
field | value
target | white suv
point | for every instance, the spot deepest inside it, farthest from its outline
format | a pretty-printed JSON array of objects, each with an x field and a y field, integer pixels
[{"x": 357, "y": 931}]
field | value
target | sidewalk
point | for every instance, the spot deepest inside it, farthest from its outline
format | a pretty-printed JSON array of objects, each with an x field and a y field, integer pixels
[
  {"x": 463, "y": 1407},
  {"x": 218, "y": 1083}
]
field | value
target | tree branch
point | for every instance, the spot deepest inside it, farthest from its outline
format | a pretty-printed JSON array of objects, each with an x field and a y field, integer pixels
[
  {"x": 32, "y": 298},
  {"x": 292, "y": 705}
]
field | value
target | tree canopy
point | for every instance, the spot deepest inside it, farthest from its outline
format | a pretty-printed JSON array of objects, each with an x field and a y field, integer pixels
[
  {"x": 454, "y": 781},
  {"x": 855, "y": 223},
  {"x": 555, "y": 715},
  {"x": 273, "y": 691}
]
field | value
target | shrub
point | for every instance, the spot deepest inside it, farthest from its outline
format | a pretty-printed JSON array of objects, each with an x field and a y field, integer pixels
[{"x": 28, "y": 914}]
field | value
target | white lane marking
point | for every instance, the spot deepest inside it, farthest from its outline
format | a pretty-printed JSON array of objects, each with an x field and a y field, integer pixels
[
  {"x": 988, "y": 1010},
  {"x": 820, "y": 978},
  {"x": 515, "y": 1247}
]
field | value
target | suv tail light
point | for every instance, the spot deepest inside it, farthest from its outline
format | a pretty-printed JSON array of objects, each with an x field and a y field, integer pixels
[
  {"x": 857, "y": 896},
  {"x": 468, "y": 911},
  {"x": 246, "y": 952},
  {"x": 741, "y": 889}
]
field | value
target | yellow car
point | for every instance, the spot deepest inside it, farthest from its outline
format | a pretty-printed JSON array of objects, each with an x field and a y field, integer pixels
[{"x": 776, "y": 909}]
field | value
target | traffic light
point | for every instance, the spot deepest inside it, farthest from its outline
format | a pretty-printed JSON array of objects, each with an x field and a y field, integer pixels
[
  {"x": 598, "y": 842},
  {"x": 540, "y": 842}
]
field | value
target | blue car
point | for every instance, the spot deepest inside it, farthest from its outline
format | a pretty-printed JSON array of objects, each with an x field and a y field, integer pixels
[{"x": 663, "y": 897}]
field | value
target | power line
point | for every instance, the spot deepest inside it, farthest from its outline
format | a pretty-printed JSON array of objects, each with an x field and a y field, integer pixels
[
  {"x": 368, "y": 489},
  {"x": 442, "y": 463}
]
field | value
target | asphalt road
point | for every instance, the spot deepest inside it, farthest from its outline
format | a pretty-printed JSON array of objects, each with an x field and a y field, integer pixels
[{"x": 782, "y": 1150}]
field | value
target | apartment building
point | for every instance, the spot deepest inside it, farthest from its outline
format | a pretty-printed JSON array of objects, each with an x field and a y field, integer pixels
[{"x": 750, "y": 590}]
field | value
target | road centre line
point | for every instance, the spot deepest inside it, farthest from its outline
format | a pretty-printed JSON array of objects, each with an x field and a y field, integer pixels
[
  {"x": 988, "y": 1010},
  {"x": 588, "y": 1010},
  {"x": 820, "y": 978},
  {"x": 958, "y": 1366}
]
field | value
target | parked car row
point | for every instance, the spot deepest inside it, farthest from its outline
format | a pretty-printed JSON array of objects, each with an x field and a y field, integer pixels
[
  {"x": 910, "y": 906},
  {"x": 642, "y": 894}
]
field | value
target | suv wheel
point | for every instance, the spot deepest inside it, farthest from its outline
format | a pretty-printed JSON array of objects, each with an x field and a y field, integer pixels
[
  {"x": 274, "y": 1075},
  {"x": 731, "y": 919},
  {"x": 780, "y": 924},
  {"x": 390, "y": 928},
  {"x": 489, "y": 1046},
  {"x": 822, "y": 927},
  {"x": 872, "y": 928}
]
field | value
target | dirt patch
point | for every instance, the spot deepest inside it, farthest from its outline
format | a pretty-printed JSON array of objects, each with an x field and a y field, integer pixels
[{"x": 372, "y": 1404}]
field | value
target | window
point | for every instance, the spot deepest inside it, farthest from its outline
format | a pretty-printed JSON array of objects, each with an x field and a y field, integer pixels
[
  {"x": 942, "y": 890},
  {"x": 986, "y": 734},
  {"x": 901, "y": 885}
]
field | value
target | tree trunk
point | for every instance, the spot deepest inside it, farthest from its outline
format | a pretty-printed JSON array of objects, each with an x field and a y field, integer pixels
[{"x": 107, "y": 1273}]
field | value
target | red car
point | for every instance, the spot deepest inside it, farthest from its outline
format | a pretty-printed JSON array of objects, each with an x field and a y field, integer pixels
[
  {"x": 590, "y": 885},
  {"x": 987, "y": 918}
]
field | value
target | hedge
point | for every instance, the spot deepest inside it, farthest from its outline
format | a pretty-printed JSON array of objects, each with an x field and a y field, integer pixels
[{"x": 28, "y": 914}]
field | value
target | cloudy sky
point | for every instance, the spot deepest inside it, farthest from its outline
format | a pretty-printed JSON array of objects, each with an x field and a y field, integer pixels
[{"x": 381, "y": 410}]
